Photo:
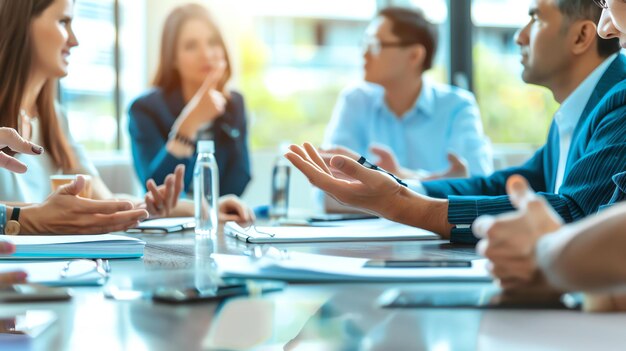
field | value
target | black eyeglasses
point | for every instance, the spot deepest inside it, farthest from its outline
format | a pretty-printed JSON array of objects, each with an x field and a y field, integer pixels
[
  {"x": 374, "y": 45},
  {"x": 601, "y": 3}
]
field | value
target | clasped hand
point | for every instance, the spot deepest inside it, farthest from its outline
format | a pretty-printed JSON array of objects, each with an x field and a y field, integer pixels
[{"x": 509, "y": 240}]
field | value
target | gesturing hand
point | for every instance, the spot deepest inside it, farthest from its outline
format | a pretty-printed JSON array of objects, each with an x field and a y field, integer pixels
[
  {"x": 10, "y": 138},
  {"x": 458, "y": 169},
  {"x": 509, "y": 240},
  {"x": 387, "y": 160},
  {"x": 356, "y": 186},
  {"x": 231, "y": 208},
  {"x": 64, "y": 212},
  {"x": 205, "y": 106},
  {"x": 161, "y": 200}
]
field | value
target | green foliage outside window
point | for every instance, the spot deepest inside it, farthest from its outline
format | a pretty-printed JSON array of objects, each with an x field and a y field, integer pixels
[
  {"x": 513, "y": 112},
  {"x": 299, "y": 117}
]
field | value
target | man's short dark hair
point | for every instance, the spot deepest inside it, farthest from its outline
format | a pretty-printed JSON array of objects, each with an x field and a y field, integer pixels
[
  {"x": 410, "y": 26},
  {"x": 575, "y": 10}
]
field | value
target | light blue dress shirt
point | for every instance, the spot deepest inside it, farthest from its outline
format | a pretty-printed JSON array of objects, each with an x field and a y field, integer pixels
[
  {"x": 570, "y": 112},
  {"x": 444, "y": 119}
]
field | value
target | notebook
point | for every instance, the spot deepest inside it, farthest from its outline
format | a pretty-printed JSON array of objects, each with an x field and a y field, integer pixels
[
  {"x": 17, "y": 331},
  {"x": 74, "y": 246},
  {"x": 59, "y": 273},
  {"x": 164, "y": 225},
  {"x": 359, "y": 230},
  {"x": 305, "y": 267}
]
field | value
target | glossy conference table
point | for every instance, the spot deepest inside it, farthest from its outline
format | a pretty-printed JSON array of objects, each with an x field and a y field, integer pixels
[{"x": 303, "y": 316}]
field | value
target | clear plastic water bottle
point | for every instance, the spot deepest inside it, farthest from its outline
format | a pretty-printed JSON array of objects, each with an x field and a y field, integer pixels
[
  {"x": 206, "y": 189},
  {"x": 206, "y": 276},
  {"x": 280, "y": 188}
]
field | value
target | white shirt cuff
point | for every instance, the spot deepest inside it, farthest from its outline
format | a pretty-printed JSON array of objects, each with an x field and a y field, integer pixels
[{"x": 416, "y": 186}]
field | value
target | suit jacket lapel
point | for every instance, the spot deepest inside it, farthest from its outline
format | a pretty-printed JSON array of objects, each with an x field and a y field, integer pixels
[{"x": 613, "y": 75}]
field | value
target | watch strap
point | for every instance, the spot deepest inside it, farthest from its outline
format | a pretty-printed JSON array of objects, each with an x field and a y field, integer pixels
[
  {"x": 3, "y": 217},
  {"x": 15, "y": 216},
  {"x": 13, "y": 226}
]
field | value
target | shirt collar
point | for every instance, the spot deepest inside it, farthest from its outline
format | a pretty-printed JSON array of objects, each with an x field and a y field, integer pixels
[
  {"x": 426, "y": 101},
  {"x": 572, "y": 108},
  {"x": 620, "y": 180},
  {"x": 424, "y": 105}
]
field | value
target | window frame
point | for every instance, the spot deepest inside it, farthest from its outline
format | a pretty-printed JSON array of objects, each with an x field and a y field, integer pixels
[{"x": 460, "y": 63}]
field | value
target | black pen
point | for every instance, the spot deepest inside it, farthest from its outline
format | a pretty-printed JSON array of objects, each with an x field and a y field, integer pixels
[
  {"x": 418, "y": 264},
  {"x": 363, "y": 161}
]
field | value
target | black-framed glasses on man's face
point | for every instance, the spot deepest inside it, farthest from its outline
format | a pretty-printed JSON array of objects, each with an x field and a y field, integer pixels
[
  {"x": 374, "y": 46},
  {"x": 601, "y": 3}
]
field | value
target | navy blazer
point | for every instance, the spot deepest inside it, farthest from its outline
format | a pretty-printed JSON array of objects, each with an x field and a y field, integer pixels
[
  {"x": 151, "y": 118},
  {"x": 597, "y": 152}
]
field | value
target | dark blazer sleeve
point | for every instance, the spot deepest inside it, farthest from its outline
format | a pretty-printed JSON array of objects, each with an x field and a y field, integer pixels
[
  {"x": 150, "y": 121},
  {"x": 586, "y": 186},
  {"x": 232, "y": 153}
]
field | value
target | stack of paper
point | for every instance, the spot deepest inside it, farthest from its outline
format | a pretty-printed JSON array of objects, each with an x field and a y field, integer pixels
[
  {"x": 303, "y": 267},
  {"x": 164, "y": 225},
  {"x": 74, "y": 246},
  {"x": 58, "y": 273},
  {"x": 18, "y": 331},
  {"x": 361, "y": 230}
]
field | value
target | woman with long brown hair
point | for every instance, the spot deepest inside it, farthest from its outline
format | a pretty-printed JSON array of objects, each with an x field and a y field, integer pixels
[
  {"x": 190, "y": 102},
  {"x": 35, "y": 43}
]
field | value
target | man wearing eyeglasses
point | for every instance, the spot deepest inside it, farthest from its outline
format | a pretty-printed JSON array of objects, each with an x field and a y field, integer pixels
[
  {"x": 400, "y": 119},
  {"x": 573, "y": 171}
]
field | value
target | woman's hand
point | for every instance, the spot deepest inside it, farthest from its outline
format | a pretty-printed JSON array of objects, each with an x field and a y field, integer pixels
[
  {"x": 10, "y": 277},
  {"x": 205, "y": 106},
  {"x": 231, "y": 208},
  {"x": 66, "y": 213},
  {"x": 10, "y": 138},
  {"x": 161, "y": 200}
]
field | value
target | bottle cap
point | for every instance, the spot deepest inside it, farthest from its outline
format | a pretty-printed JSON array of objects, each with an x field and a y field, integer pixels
[{"x": 206, "y": 146}]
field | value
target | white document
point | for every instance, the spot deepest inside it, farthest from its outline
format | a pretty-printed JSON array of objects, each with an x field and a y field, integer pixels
[
  {"x": 359, "y": 230},
  {"x": 18, "y": 330},
  {"x": 303, "y": 267},
  {"x": 50, "y": 273},
  {"x": 74, "y": 246},
  {"x": 164, "y": 225}
]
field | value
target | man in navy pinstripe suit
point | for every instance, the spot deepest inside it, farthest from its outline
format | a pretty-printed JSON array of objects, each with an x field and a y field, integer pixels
[
  {"x": 572, "y": 171},
  {"x": 531, "y": 247}
]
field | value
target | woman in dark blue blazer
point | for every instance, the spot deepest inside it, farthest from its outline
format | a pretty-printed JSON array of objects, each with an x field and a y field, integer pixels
[{"x": 190, "y": 102}]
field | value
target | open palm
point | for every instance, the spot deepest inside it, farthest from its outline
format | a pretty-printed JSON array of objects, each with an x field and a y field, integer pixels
[{"x": 346, "y": 180}]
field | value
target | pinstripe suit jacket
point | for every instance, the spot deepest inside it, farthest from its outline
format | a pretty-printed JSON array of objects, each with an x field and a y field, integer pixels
[{"x": 597, "y": 152}]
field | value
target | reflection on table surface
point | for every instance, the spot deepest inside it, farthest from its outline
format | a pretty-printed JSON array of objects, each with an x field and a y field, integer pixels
[{"x": 303, "y": 316}]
